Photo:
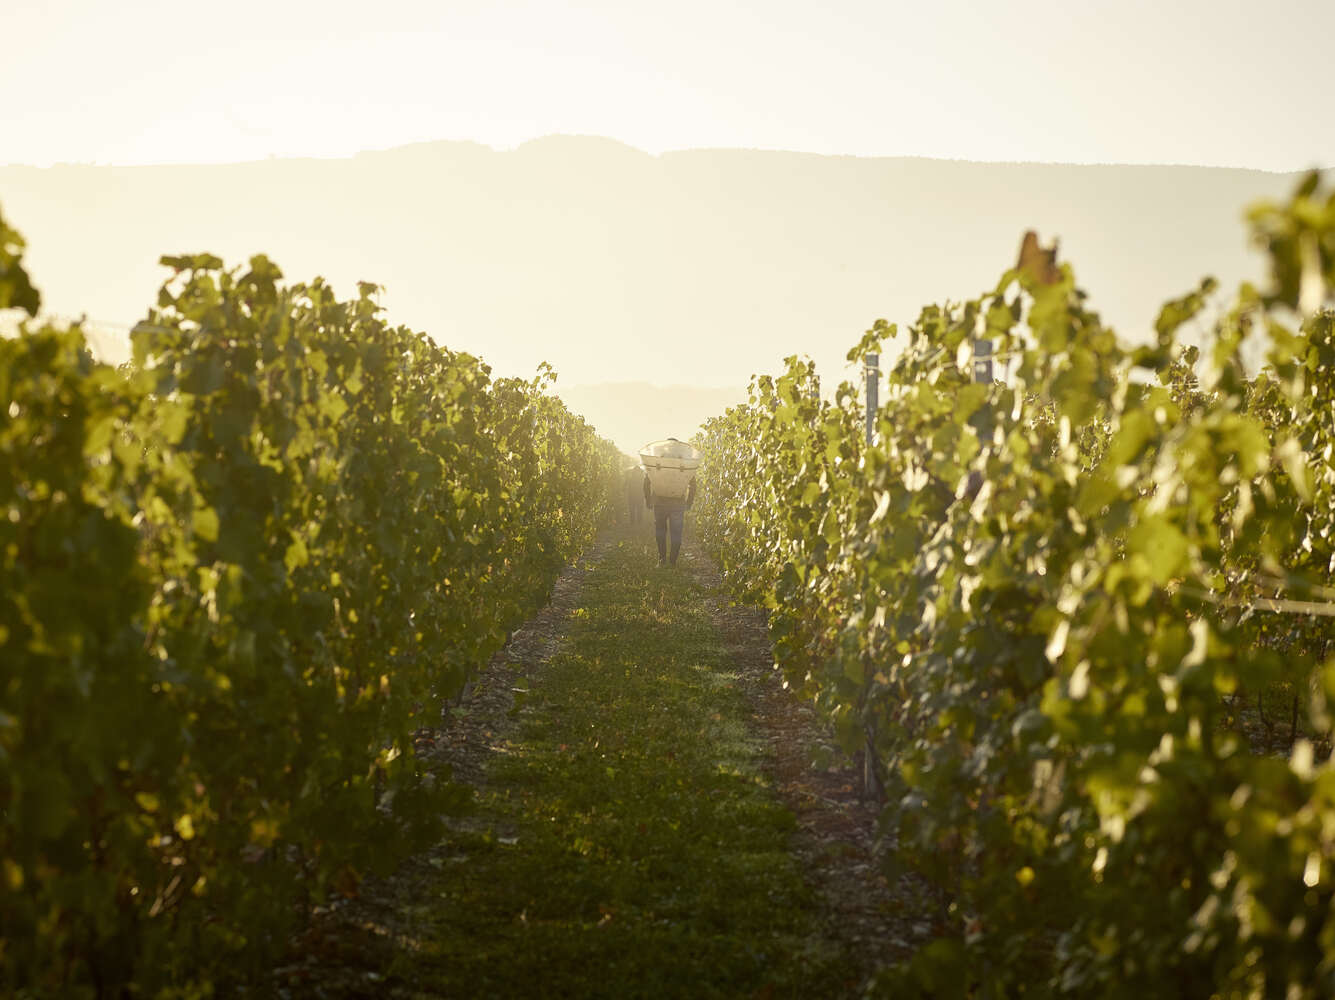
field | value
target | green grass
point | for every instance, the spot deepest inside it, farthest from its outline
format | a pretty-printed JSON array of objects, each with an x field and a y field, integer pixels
[{"x": 630, "y": 846}]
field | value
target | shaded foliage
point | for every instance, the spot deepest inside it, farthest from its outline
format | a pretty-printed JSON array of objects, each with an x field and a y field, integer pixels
[{"x": 235, "y": 576}]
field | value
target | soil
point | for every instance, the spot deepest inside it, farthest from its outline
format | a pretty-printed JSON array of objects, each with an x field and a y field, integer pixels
[{"x": 836, "y": 840}]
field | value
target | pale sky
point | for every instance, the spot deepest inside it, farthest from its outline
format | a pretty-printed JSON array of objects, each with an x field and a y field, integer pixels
[{"x": 1208, "y": 82}]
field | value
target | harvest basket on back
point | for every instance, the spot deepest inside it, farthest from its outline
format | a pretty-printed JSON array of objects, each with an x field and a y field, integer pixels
[{"x": 671, "y": 466}]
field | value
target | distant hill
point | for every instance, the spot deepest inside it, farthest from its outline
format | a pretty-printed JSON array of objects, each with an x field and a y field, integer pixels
[{"x": 690, "y": 268}]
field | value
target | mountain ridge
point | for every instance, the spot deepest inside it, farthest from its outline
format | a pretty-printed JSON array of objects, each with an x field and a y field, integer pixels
[
  {"x": 614, "y": 142},
  {"x": 689, "y": 267}
]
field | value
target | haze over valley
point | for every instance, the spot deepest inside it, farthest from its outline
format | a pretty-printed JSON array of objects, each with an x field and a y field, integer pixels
[{"x": 629, "y": 271}]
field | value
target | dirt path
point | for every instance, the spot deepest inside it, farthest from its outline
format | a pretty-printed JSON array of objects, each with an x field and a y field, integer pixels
[
  {"x": 837, "y": 838},
  {"x": 835, "y": 842},
  {"x": 350, "y": 939}
]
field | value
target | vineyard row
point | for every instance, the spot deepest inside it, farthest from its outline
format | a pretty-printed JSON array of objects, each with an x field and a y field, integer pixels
[
  {"x": 236, "y": 575},
  {"x": 1038, "y": 603}
]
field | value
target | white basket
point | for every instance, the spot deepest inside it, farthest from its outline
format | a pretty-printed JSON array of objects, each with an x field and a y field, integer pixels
[
  {"x": 671, "y": 466},
  {"x": 669, "y": 482}
]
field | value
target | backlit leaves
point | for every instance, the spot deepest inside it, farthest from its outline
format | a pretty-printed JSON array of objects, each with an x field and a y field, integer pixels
[{"x": 1066, "y": 572}]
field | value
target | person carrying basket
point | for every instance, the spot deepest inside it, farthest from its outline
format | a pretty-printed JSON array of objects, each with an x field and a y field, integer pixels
[{"x": 669, "y": 490}]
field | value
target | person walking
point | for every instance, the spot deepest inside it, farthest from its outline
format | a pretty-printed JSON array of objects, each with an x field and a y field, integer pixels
[{"x": 669, "y": 490}]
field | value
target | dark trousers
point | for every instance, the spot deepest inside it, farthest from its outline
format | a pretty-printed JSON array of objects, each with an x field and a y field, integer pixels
[{"x": 665, "y": 518}]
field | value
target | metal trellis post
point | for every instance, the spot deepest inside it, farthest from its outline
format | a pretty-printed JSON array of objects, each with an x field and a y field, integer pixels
[
  {"x": 982, "y": 361},
  {"x": 873, "y": 369},
  {"x": 871, "y": 778}
]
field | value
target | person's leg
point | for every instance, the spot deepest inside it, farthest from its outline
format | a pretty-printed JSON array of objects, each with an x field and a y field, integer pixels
[
  {"x": 660, "y": 532},
  {"x": 677, "y": 522}
]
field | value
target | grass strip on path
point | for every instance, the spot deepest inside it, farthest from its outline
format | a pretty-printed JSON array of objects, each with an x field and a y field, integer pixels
[{"x": 626, "y": 844}]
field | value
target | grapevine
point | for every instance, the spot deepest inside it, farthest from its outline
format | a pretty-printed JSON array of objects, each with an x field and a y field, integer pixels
[
  {"x": 235, "y": 577},
  {"x": 1036, "y": 600}
]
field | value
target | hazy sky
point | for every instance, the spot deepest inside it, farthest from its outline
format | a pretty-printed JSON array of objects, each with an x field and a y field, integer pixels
[{"x": 1214, "y": 82}]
